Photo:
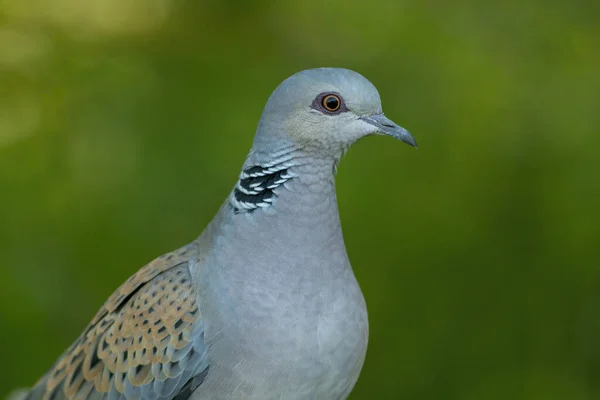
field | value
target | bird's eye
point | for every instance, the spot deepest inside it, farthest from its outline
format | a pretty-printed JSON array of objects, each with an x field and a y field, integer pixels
[{"x": 331, "y": 102}]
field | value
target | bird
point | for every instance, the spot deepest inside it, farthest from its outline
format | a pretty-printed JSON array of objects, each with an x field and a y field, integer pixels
[{"x": 264, "y": 304}]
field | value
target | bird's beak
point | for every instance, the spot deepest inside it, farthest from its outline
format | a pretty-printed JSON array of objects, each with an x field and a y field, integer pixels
[{"x": 388, "y": 127}]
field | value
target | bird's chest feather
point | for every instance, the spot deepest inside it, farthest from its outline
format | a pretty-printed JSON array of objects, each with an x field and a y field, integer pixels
[{"x": 310, "y": 338}]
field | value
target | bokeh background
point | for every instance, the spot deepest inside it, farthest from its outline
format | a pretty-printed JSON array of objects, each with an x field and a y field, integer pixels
[{"x": 123, "y": 125}]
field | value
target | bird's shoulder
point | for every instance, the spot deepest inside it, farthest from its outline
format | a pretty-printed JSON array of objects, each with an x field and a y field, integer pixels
[
  {"x": 150, "y": 271},
  {"x": 146, "y": 341}
]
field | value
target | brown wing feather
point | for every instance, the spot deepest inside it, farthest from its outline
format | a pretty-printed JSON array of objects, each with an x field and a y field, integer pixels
[{"x": 145, "y": 342}]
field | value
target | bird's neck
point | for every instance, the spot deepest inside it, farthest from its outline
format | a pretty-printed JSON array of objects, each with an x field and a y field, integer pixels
[
  {"x": 285, "y": 180},
  {"x": 282, "y": 210}
]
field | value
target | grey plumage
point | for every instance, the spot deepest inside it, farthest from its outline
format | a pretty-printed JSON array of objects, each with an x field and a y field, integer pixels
[{"x": 264, "y": 304}]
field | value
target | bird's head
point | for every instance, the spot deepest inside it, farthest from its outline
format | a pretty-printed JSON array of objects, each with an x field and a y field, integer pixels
[{"x": 325, "y": 110}]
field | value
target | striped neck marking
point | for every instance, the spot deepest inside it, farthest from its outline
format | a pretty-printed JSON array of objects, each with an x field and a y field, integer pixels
[{"x": 255, "y": 188}]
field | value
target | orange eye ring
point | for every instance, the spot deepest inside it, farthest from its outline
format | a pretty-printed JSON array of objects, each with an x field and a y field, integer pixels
[{"x": 331, "y": 102}]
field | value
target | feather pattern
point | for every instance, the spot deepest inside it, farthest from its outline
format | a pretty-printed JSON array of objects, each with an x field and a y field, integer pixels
[{"x": 146, "y": 342}]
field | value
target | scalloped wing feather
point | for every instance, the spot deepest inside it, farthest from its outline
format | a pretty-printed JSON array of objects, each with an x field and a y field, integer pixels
[{"x": 146, "y": 342}]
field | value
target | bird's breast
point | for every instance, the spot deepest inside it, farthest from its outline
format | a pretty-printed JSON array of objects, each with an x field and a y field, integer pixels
[{"x": 305, "y": 336}]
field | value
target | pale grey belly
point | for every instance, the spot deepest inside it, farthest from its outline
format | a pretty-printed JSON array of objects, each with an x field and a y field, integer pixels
[
  {"x": 223, "y": 385},
  {"x": 330, "y": 379},
  {"x": 316, "y": 359}
]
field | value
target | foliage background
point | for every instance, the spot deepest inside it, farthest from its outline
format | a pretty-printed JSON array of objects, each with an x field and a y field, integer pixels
[{"x": 123, "y": 125}]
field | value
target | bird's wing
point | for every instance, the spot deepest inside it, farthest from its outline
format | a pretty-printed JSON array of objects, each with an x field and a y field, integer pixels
[{"x": 146, "y": 342}]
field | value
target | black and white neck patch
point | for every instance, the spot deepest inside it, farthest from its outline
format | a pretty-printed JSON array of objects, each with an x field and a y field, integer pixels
[{"x": 256, "y": 186}]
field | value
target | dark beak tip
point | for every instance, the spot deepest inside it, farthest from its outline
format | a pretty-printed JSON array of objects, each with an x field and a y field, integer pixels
[{"x": 410, "y": 140}]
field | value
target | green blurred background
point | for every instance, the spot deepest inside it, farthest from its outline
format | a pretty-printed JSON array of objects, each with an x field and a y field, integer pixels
[{"x": 123, "y": 125}]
